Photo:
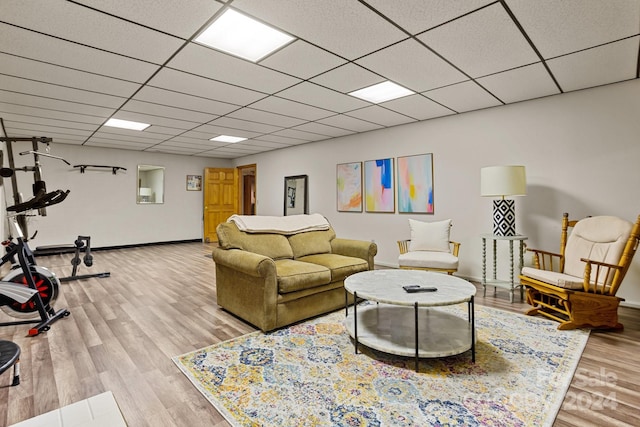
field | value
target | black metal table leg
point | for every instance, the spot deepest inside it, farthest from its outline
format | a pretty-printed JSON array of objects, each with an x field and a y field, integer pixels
[
  {"x": 355, "y": 320},
  {"x": 415, "y": 305}
]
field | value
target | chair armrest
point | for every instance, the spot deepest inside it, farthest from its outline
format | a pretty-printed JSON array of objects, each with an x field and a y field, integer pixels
[
  {"x": 456, "y": 248},
  {"x": 403, "y": 246},
  {"x": 244, "y": 262},
  {"x": 542, "y": 258},
  {"x": 355, "y": 248},
  {"x": 599, "y": 283}
]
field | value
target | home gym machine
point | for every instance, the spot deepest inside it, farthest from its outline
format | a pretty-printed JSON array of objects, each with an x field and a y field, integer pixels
[{"x": 28, "y": 289}]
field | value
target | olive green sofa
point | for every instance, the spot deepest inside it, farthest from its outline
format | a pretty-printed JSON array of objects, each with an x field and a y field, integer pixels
[{"x": 272, "y": 280}]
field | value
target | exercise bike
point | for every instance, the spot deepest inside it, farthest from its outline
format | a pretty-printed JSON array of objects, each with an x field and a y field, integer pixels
[{"x": 29, "y": 289}]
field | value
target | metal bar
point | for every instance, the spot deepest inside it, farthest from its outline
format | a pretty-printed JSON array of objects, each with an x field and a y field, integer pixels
[
  {"x": 355, "y": 320},
  {"x": 415, "y": 307},
  {"x": 473, "y": 330}
]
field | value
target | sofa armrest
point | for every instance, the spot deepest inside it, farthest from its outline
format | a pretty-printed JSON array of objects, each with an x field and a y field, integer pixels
[
  {"x": 244, "y": 262},
  {"x": 355, "y": 248},
  {"x": 247, "y": 286}
]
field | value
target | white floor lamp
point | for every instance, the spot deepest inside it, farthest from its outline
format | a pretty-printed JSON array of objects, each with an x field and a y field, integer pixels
[{"x": 501, "y": 181}]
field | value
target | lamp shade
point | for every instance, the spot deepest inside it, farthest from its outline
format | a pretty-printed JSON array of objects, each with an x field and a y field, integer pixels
[{"x": 498, "y": 181}]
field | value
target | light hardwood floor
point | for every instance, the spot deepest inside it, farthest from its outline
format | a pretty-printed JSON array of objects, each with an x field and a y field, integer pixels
[{"x": 160, "y": 302}]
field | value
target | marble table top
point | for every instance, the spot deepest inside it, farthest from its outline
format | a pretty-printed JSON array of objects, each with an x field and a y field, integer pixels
[{"x": 385, "y": 286}]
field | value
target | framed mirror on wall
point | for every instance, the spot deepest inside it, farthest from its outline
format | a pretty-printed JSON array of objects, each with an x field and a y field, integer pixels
[
  {"x": 150, "y": 186},
  {"x": 296, "y": 198}
]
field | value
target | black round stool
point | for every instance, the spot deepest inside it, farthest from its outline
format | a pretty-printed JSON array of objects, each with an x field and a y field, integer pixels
[{"x": 10, "y": 356}]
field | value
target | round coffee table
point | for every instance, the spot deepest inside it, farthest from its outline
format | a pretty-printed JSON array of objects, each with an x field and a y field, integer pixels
[{"x": 410, "y": 324}]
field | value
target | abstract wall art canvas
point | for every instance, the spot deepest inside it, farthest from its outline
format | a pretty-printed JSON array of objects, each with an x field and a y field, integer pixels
[
  {"x": 349, "y": 187},
  {"x": 415, "y": 184},
  {"x": 379, "y": 187}
]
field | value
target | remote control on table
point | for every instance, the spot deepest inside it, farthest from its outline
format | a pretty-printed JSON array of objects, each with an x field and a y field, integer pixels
[{"x": 414, "y": 288}]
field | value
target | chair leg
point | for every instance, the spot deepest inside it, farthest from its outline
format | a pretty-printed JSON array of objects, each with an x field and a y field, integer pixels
[{"x": 16, "y": 373}]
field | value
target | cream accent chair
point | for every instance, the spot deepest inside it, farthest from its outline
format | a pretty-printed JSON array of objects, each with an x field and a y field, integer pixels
[
  {"x": 429, "y": 248},
  {"x": 578, "y": 286}
]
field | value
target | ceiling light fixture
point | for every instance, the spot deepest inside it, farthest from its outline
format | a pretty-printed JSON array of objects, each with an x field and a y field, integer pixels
[
  {"x": 381, "y": 92},
  {"x": 126, "y": 124},
  {"x": 242, "y": 36},
  {"x": 227, "y": 138}
]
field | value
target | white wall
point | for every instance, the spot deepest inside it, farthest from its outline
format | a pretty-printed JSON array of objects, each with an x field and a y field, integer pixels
[
  {"x": 103, "y": 205},
  {"x": 581, "y": 151}
]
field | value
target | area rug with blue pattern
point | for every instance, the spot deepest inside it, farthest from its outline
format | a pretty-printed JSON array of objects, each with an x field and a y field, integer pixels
[{"x": 308, "y": 374}]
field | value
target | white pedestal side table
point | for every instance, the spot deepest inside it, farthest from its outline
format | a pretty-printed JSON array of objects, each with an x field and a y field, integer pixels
[
  {"x": 410, "y": 324},
  {"x": 508, "y": 284}
]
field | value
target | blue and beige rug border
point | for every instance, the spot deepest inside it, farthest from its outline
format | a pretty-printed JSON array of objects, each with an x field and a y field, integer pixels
[{"x": 573, "y": 343}]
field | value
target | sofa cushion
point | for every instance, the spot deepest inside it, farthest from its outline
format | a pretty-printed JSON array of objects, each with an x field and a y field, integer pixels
[
  {"x": 341, "y": 266},
  {"x": 296, "y": 275},
  {"x": 274, "y": 246},
  {"x": 311, "y": 242}
]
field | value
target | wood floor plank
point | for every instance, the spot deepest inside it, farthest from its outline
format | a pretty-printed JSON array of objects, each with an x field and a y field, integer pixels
[{"x": 160, "y": 302}]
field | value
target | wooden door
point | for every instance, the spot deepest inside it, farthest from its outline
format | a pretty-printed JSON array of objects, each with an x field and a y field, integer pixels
[{"x": 220, "y": 199}]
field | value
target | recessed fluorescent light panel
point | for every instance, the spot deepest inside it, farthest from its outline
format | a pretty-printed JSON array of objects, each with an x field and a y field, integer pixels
[
  {"x": 242, "y": 36},
  {"x": 381, "y": 92},
  {"x": 227, "y": 138},
  {"x": 126, "y": 124}
]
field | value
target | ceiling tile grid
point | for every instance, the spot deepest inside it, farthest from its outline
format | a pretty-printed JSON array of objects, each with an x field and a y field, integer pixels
[{"x": 68, "y": 66}]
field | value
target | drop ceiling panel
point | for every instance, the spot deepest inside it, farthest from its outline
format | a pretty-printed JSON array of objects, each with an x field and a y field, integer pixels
[
  {"x": 418, "y": 107},
  {"x": 42, "y": 72},
  {"x": 259, "y": 142},
  {"x": 347, "y": 28},
  {"x": 121, "y": 145},
  {"x": 283, "y": 140},
  {"x": 109, "y": 133},
  {"x": 190, "y": 142},
  {"x": 413, "y": 66},
  {"x": 321, "y": 129},
  {"x": 593, "y": 67},
  {"x": 419, "y": 15},
  {"x": 214, "y": 154},
  {"x": 44, "y": 130},
  {"x": 25, "y": 43},
  {"x": 20, "y": 99},
  {"x": 20, "y": 118},
  {"x": 31, "y": 87},
  {"x": 325, "y": 98},
  {"x": 210, "y": 63},
  {"x": 532, "y": 81},
  {"x": 286, "y": 107},
  {"x": 266, "y": 117},
  {"x": 482, "y": 43},
  {"x": 302, "y": 60},
  {"x": 167, "y": 112},
  {"x": 183, "y": 101},
  {"x": 301, "y": 135},
  {"x": 350, "y": 123},
  {"x": 57, "y": 137},
  {"x": 181, "y": 18},
  {"x": 200, "y": 86},
  {"x": 49, "y": 114},
  {"x": 164, "y": 131},
  {"x": 560, "y": 27},
  {"x": 462, "y": 97},
  {"x": 91, "y": 28},
  {"x": 348, "y": 78},
  {"x": 245, "y": 125},
  {"x": 381, "y": 116}
]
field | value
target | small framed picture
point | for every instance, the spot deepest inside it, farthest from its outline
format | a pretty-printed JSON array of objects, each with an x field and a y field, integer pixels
[{"x": 194, "y": 182}]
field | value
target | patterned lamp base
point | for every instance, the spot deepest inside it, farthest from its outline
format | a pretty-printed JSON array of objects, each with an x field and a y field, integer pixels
[{"x": 504, "y": 217}]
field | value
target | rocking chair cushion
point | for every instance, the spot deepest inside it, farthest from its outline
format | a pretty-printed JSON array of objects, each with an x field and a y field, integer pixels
[
  {"x": 424, "y": 259},
  {"x": 600, "y": 238},
  {"x": 554, "y": 278}
]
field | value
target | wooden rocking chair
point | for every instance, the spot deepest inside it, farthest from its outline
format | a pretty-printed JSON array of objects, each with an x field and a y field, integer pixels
[{"x": 578, "y": 286}]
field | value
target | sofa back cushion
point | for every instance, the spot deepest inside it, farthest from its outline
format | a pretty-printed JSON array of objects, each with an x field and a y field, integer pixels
[
  {"x": 274, "y": 246},
  {"x": 311, "y": 242}
]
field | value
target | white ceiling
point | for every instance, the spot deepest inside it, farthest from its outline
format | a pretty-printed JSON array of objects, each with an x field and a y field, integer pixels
[{"x": 68, "y": 66}]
